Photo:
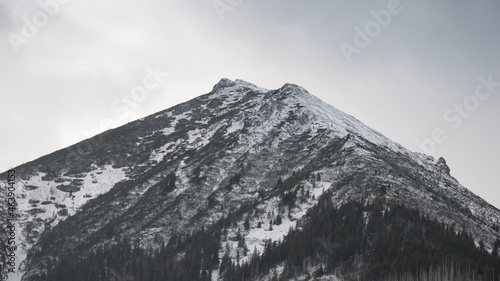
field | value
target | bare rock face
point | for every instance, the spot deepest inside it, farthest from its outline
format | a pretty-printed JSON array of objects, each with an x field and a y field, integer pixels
[{"x": 441, "y": 163}]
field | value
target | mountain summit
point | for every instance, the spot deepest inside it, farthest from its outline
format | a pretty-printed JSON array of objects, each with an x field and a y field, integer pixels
[{"x": 219, "y": 186}]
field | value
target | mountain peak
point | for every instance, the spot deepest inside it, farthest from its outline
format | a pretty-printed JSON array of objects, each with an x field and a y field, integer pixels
[
  {"x": 287, "y": 88},
  {"x": 245, "y": 83},
  {"x": 228, "y": 158},
  {"x": 293, "y": 88},
  {"x": 223, "y": 83},
  {"x": 238, "y": 83}
]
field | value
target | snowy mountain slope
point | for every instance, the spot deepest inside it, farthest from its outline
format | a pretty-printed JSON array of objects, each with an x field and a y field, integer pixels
[
  {"x": 236, "y": 150},
  {"x": 43, "y": 204}
]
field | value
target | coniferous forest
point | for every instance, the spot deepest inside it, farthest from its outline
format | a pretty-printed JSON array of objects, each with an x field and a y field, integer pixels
[{"x": 374, "y": 241}]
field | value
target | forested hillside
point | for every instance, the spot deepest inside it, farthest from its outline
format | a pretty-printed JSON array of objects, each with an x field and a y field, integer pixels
[{"x": 373, "y": 242}]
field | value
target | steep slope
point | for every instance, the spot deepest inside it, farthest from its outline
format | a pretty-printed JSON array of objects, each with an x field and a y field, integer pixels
[{"x": 236, "y": 151}]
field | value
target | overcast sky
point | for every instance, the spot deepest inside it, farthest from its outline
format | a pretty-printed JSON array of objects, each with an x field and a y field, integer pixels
[{"x": 413, "y": 70}]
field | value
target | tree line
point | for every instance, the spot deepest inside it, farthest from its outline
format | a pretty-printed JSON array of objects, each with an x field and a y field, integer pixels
[{"x": 379, "y": 241}]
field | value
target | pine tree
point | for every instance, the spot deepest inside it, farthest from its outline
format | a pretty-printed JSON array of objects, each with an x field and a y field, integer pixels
[
  {"x": 494, "y": 253},
  {"x": 246, "y": 224},
  {"x": 277, "y": 221},
  {"x": 245, "y": 250}
]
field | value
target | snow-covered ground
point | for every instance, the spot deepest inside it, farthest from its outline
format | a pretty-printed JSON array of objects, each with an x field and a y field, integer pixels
[
  {"x": 256, "y": 238},
  {"x": 41, "y": 202}
]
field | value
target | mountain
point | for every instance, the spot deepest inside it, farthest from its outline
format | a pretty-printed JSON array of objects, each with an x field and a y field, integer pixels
[{"x": 224, "y": 184}]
